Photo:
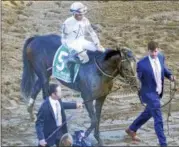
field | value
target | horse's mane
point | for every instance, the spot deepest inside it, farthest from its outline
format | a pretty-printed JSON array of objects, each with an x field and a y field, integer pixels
[
  {"x": 106, "y": 55},
  {"x": 111, "y": 53}
]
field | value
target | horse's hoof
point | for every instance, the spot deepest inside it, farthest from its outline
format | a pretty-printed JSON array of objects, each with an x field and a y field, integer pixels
[
  {"x": 100, "y": 143},
  {"x": 34, "y": 118}
]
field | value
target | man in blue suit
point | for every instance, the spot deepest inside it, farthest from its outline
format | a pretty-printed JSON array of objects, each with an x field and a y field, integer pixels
[
  {"x": 51, "y": 116},
  {"x": 151, "y": 71}
]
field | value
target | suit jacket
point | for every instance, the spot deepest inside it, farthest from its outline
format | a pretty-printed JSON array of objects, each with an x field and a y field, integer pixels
[
  {"x": 46, "y": 123},
  {"x": 146, "y": 76}
]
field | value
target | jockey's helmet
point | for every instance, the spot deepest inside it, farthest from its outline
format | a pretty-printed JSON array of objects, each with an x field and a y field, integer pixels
[{"x": 78, "y": 8}]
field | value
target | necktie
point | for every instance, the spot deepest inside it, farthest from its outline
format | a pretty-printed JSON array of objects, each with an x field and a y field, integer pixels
[
  {"x": 156, "y": 70},
  {"x": 58, "y": 115},
  {"x": 157, "y": 76}
]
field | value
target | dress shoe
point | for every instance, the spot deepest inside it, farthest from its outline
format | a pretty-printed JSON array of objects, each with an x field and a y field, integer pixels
[{"x": 133, "y": 135}]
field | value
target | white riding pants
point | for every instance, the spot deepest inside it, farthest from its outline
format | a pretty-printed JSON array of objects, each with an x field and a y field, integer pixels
[{"x": 81, "y": 44}]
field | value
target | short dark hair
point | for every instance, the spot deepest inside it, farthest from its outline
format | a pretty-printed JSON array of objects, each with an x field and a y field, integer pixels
[
  {"x": 152, "y": 45},
  {"x": 52, "y": 88}
]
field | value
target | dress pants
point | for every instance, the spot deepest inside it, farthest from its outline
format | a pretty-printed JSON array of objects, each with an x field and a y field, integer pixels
[{"x": 152, "y": 110}]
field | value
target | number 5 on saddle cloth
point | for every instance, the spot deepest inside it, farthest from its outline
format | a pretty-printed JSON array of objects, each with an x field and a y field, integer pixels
[{"x": 66, "y": 64}]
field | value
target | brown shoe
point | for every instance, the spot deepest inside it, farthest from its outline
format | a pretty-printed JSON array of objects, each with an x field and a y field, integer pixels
[{"x": 133, "y": 135}]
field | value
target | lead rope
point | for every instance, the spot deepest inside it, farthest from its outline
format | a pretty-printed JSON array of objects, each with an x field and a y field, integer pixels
[
  {"x": 169, "y": 114},
  {"x": 169, "y": 101},
  {"x": 169, "y": 107}
]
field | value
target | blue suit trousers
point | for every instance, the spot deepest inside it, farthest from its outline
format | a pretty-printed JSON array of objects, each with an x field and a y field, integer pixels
[{"x": 152, "y": 110}]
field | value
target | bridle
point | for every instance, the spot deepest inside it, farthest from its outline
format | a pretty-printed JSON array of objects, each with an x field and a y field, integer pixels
[{"x": 114, "y": 73}]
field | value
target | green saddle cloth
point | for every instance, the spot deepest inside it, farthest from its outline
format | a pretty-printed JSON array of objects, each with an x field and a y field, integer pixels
[{"x": 60, "y": 68}]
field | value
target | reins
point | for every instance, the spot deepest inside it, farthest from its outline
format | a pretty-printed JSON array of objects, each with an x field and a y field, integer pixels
[{"x": 103, "y": 72}]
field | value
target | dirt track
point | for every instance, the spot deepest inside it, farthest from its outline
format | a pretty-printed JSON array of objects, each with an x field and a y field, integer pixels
[{"x": 130, "y": 24}]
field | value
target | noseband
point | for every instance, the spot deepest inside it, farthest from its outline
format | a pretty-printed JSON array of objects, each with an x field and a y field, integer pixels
[{"x": 128, "y": 60}]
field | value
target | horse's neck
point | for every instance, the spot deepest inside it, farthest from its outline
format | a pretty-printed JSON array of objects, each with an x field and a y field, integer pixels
[{"x": 109, "y": 66}]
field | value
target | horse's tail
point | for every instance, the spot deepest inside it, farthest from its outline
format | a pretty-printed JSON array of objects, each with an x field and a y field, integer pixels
[{"x": 28, "y": 75}]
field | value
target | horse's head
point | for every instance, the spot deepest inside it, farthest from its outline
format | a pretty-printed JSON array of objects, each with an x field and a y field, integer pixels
[
  {"x": 127, "y": 66},
  {"x": 122, "y": 61}
]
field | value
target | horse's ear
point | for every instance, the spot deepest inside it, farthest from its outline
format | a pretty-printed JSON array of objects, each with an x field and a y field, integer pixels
[
  {"x": 118, "y": 48},
  {"x": 120, "y": 51}
]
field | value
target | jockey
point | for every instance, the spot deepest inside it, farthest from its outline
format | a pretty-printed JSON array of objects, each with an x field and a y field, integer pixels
[{"x": 74, "y": 30}]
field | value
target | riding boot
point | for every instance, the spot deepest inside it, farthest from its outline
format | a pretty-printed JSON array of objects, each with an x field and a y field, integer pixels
[
  {"x": 72, "y": 70},
  {"x": 72, "y": 61}
]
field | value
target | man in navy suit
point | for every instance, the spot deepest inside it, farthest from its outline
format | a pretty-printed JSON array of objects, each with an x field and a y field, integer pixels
[
  {"x": 51, "y": 116},
  {"x": 151, "y": 71}
]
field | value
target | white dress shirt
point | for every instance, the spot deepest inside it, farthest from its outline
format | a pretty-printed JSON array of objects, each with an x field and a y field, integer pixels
[
  {"x": 57, "y": 110},
  {"x": 155, "y": 63}
]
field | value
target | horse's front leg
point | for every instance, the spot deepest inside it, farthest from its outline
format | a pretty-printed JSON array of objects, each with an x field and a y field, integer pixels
[
  {"x": 36, "y": 89},
  {"x": 98, "y": 105},
  {"x": 90, "y": 108}
]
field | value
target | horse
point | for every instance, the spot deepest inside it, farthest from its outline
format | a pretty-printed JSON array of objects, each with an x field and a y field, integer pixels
[{"x": 94, "y": 80}]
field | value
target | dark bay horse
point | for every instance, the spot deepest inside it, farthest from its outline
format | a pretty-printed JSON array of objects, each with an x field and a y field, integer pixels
[{"x": 94, "y": 80}]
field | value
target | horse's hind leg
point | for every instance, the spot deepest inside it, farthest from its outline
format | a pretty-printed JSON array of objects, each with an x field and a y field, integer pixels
[
  {"x": 98, "y": 105},
  {"x": 43, "y": 75},
  {"x": 35, "y": 90},
  {"x": 43, "y": 79}
]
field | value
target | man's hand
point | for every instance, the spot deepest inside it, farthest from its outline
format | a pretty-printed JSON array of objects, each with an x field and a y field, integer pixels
[
  {"x": 43, "y": 142},
  {"x": 79, "y": 105},
  {"x": 172, "y": 78}
]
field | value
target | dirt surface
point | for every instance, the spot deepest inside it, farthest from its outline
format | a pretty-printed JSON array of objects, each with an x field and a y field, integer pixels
[{"x": 130, "y": 24}]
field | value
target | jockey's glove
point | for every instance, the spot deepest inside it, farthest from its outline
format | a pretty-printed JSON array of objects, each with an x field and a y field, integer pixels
[{"x": 100, "y": 48}]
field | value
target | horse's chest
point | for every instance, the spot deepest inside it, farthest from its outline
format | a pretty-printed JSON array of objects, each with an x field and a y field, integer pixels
[
  {"x": 92, "y": 83},
  {"x": 100, "y": 87}
]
